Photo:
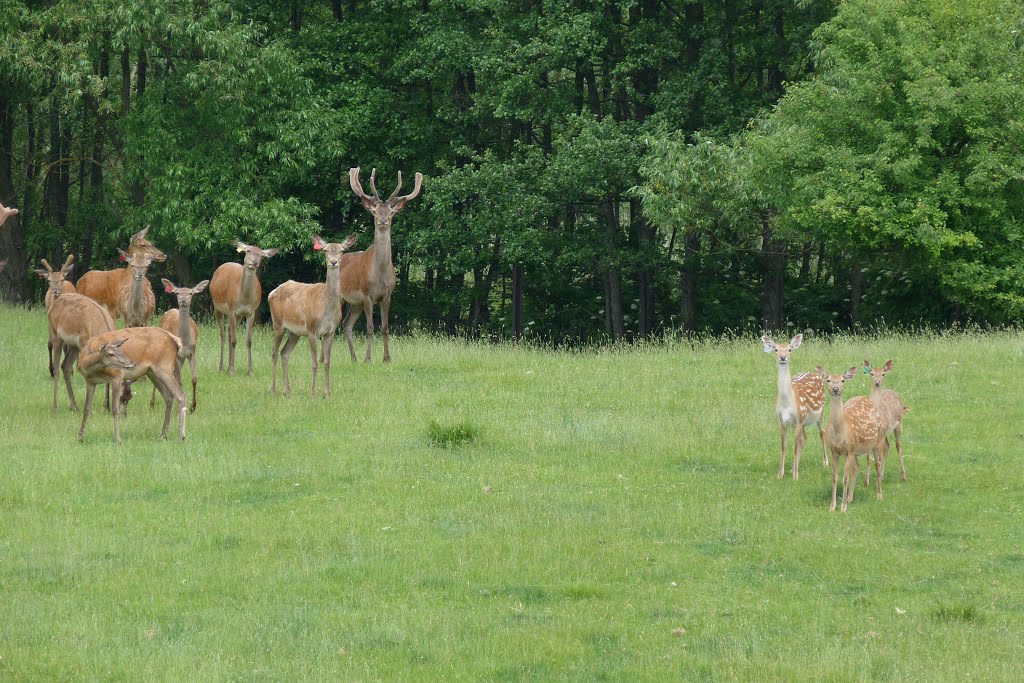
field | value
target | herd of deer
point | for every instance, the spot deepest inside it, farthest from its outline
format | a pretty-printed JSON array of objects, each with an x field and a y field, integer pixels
[
  {"x": 82, "y": 316},
  {"x": 859, "y": 426},
  {"x": 81, "y": 321}
]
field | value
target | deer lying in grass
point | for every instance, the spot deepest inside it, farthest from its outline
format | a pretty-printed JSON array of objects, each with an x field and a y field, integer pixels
[
  {"x": 6, "y": 213},
  {"x": 105, "y": 286},
  {"x": 57, "y": 280},
  {"x": 178, "y": 321},
  {"x": 368, "y": 277},
  {"x": 800, "y": 402},
  {"x": 854, "y": 427},
  {"x": 73, "y": 320},
  {"x": 890, "y": 408},
  {"x": 236, "y": 293},
  {"x": 122, "y": 356},
  {"x": 311, "y": 311}
]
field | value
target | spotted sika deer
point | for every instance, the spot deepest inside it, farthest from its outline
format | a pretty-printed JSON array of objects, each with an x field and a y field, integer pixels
[
  {"x": 178, "y": 321},
  {"x": 125, "y": 355},
  {"x": 854, "y": 427},
  {"x": 799, "y": 403},
  {"x": 309, "y": 310},
  {"x": 236, "y": 293},
  {"x": 890, "y": 408},
  {"x": 57, "y": 280},
  {"x": 368, "y": 277},
  {"x": 105, "y": 286}
]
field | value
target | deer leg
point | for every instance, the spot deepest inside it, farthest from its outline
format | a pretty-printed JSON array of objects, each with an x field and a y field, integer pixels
[
  {"x": 55, "y": 347},
  {"x": 824, "y": 449},
  {"x": 835, "y": 480},
  {"x": 385, "y": 307},
  {"x": 782, "y": 464},
  {"x": 350, "y": 321},
  {"x": 232, "y": 341},
  {"x": 867, "y": 468},
  {"x": 248, "y": 337},
  {"x": 152, "y": 398},
  {"x": 798, "y": 449},
  {"x": 220, "y": 323},
  {"x": 278, "y": 336},
  {"x": 116, "y": 398},
  {"x": 897, "y": 433},
  {"x": 880, "y": 457},
  {"x": 170, "y": 389},
  {"x": 195, "y": 380},
  {"x": 293, "y": 339},
  {"x": 368, "y": 309},
  {"x": 325, "y": 353},
  {"x": 90, "y": 389},
  {"x": 165, "y": 391},
  {"x": 849, "y": 479},
  {"x": 67, "y": 367},
  {"x": 312, "y": 352}
]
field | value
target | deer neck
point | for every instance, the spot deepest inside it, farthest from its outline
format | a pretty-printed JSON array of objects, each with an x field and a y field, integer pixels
[
  {"x": 248, "y": 285},
  {"x": 185, "y": 327},
  {"x": 837, "y": 421},
  {"x": 785, "y": 385},
  {"x": 382, "y": 252},
  {"x": 136, "y": 298},
  {"x": 332, "y": 298}
]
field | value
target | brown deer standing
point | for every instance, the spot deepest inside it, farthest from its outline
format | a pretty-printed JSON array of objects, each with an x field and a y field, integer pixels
[
  {"x": 368, "y": 277},
  {"x": 891, "y": 409},
  {"x": 105, "y": 286},
  {"x": 236, "y": 293},
  {"x": 6, "y": 213},
  {"x": 178, "y": 321},
  {"x": 56, "y": 279},
  {"x": 73, "y": 320},
  {"x": 125, "y": 355},
  {"x": 136, "y": 301},
  {"x": 309, "y": 310},
  {"x": 800, "y": 402},
  {"x": 853, "y": 428}
]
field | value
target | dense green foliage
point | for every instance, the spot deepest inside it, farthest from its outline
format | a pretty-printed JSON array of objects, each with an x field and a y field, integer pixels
[
  {"x": 594, "y": 160},
  {"x": 499, "y": 513}
]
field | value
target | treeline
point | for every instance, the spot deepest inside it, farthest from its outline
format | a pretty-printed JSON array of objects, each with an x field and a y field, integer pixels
[{"x": 604, "y": 169}]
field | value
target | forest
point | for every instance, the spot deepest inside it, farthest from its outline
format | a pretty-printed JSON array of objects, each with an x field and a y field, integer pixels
[{"x": 593, "y": 169}]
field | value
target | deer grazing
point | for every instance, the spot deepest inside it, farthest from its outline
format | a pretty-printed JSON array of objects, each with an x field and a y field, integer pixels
[
  {"x": 6, "y": 213},
  {"x": 890, "y": 408},
  {"x": 236, "y": 293},
  {"x": 56, "y": 279},
  {"x": 105, "y": 286},
  {"x": 136, "y": 301},
  {"x": 122, "y": 356},
  {"x": 311, "y": 311},
  {"x": 73, "y": 320},
  {"x": 368, "y": 277},
  {"x": 800, "y": 402},
  {"x": 854, "y": 427},
  {"x": 178, "y": 321}
]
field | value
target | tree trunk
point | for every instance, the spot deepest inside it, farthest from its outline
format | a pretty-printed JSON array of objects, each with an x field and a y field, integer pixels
[
  {"x": 773, "y": 255},
  {"x": 613, "y": 277},
  {"x": 517, "y": 302},
  {"x": 645, "y": 276},
  {"x": 691, "y": 270},
  {"x": 856, "y": 292},
  {"x": 14, "y": 276}
]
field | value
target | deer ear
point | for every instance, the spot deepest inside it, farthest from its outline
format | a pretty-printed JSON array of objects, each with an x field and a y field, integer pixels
[
  {"x": 67, "y": 270},
  {"x": 116, "y": 344},
  {"x": 240, "y": 246},
  {"x": 796, "y": 341},
  {"x": 42, "y": 273},
  {"x": 848, "y": 375},
  {"x": 769, "y": 345},
  {"x": 168, "y": 285},
  {"x": 200, "y": 287},
  {"x": 267, "y": 253},
  {"x": 349, "y": 241},
  {"x": 318, "y": 243},
  {"x": 122, "y": 254},
  {"x": 888, "y": 366}
]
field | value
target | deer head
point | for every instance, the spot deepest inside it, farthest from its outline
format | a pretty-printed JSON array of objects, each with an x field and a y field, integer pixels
[
  {"x": 184, "y": 294},
  {"x": 138, "y": 263},
  {"x": 111, "y": 356},
  {"x": 333, "y": 250},
  {"x": 140, "y": 245},
  {"x": 835, "y": 382},
  {"x": 781, "y": 351},
  {"x": 877, "y": 374},
  {"x": 383, "y": 211},
  {"x": 56, "y": 278},
  {"x": 253, "y": 255}
]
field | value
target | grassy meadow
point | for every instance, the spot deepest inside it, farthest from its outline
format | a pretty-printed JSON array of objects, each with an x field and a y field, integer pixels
[{"x": 477, "y": 512}]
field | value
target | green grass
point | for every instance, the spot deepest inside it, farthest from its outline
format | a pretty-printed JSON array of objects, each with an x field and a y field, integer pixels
[{"x": 499, "y": 513}]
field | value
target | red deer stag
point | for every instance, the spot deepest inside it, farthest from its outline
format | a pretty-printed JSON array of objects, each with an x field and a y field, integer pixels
[
  {"x": 368, "y": 277},
  {"x": 178, "y": 321},
  {"x": 890, "y": 408},
  {"x": 56, "y": 279},
  {"x": 105, "y": 286},
  {"x": 800, "y": 402},
  {"x": 236, "y": 293},
  {"x": 854, "y": 427},
  {"x": 311, "y": 311},
  {"x": 125, "y": 355},
  {"x": 73, "y": 320}
]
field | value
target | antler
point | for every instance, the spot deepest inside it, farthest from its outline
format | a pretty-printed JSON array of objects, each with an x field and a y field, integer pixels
[
  {"x": 46, "y": 265},
  {"x": 357, "y": 187},
  {"x": 67, "y": 261},
  {"x": 373, "y": 184}
]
